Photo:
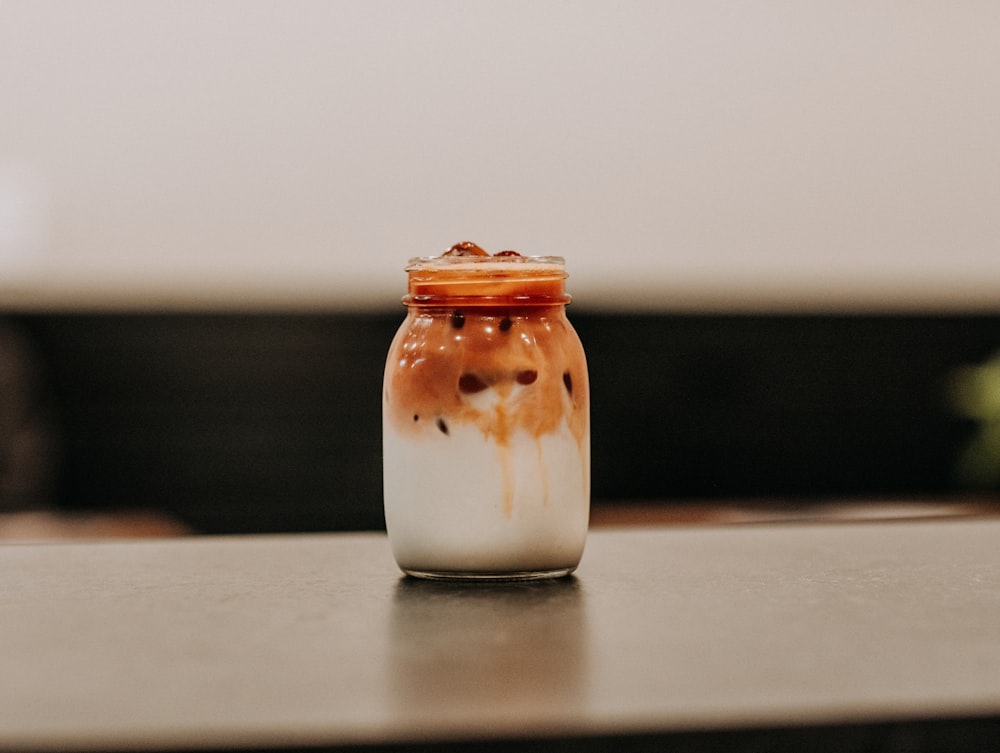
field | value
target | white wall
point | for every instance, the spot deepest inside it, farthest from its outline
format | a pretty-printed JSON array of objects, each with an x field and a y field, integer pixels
[{"x": 688, "y": 153}]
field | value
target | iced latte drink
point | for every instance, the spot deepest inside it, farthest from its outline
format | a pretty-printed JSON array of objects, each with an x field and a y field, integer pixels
[{"x": 486, "y": 426}]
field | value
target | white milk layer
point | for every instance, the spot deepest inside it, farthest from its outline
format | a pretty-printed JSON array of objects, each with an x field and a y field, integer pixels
[{"x": 459, "y": 502}]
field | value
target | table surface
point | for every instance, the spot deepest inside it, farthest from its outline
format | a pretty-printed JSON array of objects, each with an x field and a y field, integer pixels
[{"x": 278, "y": 641}]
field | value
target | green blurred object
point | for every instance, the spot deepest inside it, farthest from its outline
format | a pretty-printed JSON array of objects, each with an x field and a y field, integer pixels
[{"x": 976, "y": 395}]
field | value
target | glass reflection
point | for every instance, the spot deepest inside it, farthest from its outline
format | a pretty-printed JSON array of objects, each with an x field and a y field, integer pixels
[{"x": 516, "y": 648}]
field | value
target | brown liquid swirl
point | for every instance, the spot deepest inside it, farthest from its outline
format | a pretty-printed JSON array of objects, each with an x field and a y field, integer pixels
[{"x": 440, "y": 364}]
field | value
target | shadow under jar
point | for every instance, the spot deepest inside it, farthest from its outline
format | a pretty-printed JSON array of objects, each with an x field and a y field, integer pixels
[{"x": 486, "y": 421}]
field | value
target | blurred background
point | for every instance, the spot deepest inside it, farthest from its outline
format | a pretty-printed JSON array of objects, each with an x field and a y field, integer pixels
[{"x": 780, "y": 221}]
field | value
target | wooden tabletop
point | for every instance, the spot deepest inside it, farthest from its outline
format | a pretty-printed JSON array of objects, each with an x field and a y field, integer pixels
[{"x": 680, "y": 632}]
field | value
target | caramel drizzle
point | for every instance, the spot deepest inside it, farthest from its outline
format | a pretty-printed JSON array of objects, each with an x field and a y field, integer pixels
[{"x": 442, "y": 361}]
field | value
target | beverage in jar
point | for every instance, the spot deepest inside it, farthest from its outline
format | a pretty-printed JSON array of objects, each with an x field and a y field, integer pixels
[{"x": 486, "y": 420}]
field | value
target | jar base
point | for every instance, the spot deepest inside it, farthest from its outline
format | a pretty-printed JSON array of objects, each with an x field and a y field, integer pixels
[{"x": 481, "y": 577}]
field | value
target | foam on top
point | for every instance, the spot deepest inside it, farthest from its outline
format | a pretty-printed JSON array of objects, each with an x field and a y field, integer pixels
[
  {"x": 469, "y": 256},
  {"x": 466, "y": 274}
]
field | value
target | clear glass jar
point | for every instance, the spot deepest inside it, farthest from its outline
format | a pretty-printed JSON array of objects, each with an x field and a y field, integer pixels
[{"x": 486, "y": 421}]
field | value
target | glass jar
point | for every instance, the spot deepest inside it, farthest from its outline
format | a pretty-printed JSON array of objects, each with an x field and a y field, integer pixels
[{"x": 486, "y": 421}]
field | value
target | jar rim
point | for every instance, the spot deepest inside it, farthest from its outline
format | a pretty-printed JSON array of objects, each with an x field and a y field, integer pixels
[{"x": 458, "y": 262}]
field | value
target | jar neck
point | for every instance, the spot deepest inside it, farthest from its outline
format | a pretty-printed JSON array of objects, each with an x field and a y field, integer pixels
[{"x": 487, "y": 285}]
